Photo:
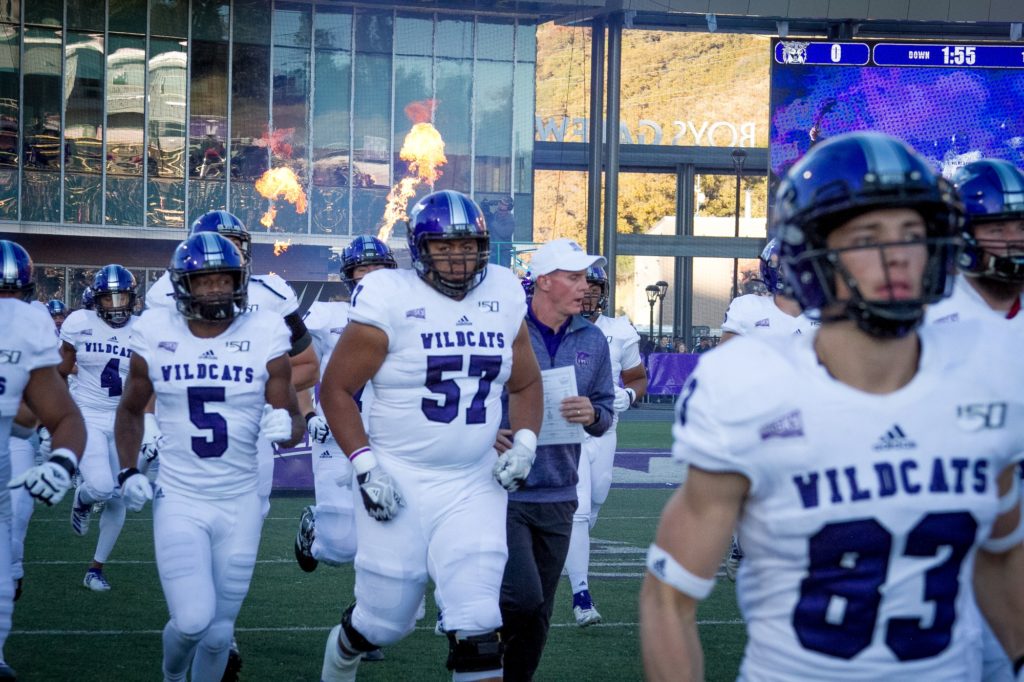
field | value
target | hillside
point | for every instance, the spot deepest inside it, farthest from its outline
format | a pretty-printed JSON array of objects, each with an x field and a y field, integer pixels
[{"x": 695, "y": 79}]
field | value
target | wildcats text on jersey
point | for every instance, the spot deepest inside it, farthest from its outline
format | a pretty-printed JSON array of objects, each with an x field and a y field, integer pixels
[
  {"x": 204, "y": 370},
  {"x": 105, "y": 348},
  {"x": 462, "y": 339},
  {"x": 873, "y": 481}
]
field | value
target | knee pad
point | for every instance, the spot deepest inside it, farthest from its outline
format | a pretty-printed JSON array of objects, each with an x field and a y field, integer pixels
[
  {"x": 475, "y": 653},
  {"x": 218, "y": 636},
  {"x": 353, "y": 641}
]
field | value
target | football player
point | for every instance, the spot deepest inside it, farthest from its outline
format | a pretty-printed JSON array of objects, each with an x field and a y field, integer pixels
[
  {"x": 327, "y": 531},
  {"x": 95, "y": 345},
  {"x": 221, "y": 380},
  {"x": 29, "y": 372},
  {"x": 438, "y": 343},
  {"x": 874, "y": 476},
  {"x": 988, "y": 287},
  {"x": 266, "y": 292},
  {"x": 775, "y": 313},
  {"x": 58, "y": 311},
  {"x": 597, "y": 455}
]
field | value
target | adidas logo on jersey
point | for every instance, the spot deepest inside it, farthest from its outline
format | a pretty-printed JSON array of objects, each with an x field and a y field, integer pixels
[
  {"x": 208, "y": 355},
  {"x": 763, "y": 323},
  {"x": 463, "y": 321},
  {"x": 112, "y": 339},
  {"x": 894, "y": 439}
]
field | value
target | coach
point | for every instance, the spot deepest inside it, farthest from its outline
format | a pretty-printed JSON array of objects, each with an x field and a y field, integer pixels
[{"x": 540, "y": 513}]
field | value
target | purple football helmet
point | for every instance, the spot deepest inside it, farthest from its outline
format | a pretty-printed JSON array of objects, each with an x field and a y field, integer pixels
[
  {"x": 200, "y": 254},
  {"x": 593, "y": 306},
  {"x": 16, "y": 270},
  {"x": 114, "y": 289},
  {"x": 992, "y": 191},
  {"x": 364, "y": 250},
  {"x": 449, "y": 215},
  {"x": 840, "y": 179},
  {"x": 769, "y": 265},
  {"x": 226, "y": 224}
]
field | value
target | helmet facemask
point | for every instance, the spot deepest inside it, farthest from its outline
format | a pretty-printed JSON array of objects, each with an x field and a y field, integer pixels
[
  {"x": 219, "y": 307},
  {"x": 115, "y": 307},
  {"x": 595, "y": 302},
  {"x": 452, "y": 274}
]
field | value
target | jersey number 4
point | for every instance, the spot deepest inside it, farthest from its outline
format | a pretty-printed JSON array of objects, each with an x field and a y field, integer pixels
[
  {"x": 842, "y": 593},
  {"x": 487, "y": 367}
]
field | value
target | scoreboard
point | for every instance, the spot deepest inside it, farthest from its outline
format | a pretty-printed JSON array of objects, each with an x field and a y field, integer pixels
[{"x": 938, "y": 55}]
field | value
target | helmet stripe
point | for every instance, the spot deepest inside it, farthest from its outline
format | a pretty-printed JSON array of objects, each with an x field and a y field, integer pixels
[
  {"x": 1013, "y": 189},
  {"x": 10, "y": 273},
  {"x": 211, "y": 246},
  {"x": 458, "y": 209},
  {"x": 885, "y": 159}
]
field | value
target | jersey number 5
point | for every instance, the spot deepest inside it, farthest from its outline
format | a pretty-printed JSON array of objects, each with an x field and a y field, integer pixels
[
  {"x": 487, "y": 367},
  {"x": 217, "y": 443},
  {"x": 842, "y": 593}
]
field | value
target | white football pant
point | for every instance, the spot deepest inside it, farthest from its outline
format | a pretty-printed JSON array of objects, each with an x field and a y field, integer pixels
[{"x": 597, "y": 460}]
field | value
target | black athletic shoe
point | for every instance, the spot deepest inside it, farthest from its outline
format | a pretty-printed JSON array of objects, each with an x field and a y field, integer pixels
[{"x": 304, "y": 541}]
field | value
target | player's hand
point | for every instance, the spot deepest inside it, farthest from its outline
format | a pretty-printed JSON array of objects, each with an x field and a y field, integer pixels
[
  {"x": 151, "y": 439},
  {"x": 45, "y": 443},
  {"x": 135, "y": 488},
  {"x": 624, "y": 399},
  {"x": 318, "y": 429},
  {"x": 513, "y": 465},
  {"x": 503, "y": 441},
  {"x": 47, "y": 482},
  {"x": 378, "y": 490},
  {"x": 276, "y": 424}
]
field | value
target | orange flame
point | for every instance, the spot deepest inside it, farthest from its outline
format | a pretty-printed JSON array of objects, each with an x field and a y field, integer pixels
[
  {"x": 423, "y": 148},
  {"x": 280, "y": 183},
  {"x": 280, "y": 247}
]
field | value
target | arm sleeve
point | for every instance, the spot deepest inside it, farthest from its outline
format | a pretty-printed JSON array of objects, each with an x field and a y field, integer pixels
[
  {"x": 631, "y": 348},
  {"x": 370, "y": 302},
  {"x": 733, "y": 321},
  {"x": 298, "y": 336}
]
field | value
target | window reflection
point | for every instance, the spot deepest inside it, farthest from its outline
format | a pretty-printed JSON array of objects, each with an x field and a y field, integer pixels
[
  {"x": 83, "y": 127},
  {"x": 493, "y": 83},
  {"x": 126, "y": 78},
  {"x": 250, "y": 112},
  {"x": 9, "y": 92},
  {"x": 167, "y": 76},
  {"x": 208, "y": 127},
  {"x": 289, "y": 142},
  {"x": 210, "y": 20},
  {"x": 42, "y": 99},
  {"x": 454, "y": 83},
  {"x": 332, "y": 164}
]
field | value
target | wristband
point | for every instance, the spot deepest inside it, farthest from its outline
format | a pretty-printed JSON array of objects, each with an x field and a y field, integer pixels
[
  {"x": 309, "y": 415},
  {"x": 363, "y": 460},
  {"x": 65, "y": 459},
  {"x": 125, "y": 474},
  {"x": 526, "y": 438}
]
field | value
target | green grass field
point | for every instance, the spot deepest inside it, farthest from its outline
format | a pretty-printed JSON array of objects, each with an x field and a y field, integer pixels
[{"x": 64, "y": 632}]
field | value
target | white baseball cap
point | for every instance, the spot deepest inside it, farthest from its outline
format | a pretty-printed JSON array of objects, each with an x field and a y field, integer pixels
[{"x": 562, "y": 254}]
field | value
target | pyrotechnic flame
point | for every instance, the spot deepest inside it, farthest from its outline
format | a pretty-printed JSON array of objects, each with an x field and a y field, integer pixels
[
  {"x": 280, "y": 247},
  {"x": 423, "y": 148},
  {"x": 280, "y": 183}
]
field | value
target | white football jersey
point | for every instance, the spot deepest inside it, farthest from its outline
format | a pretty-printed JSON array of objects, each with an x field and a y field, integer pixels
[
  {"x": 623, "y": 343},
  {"x": 965, "y": 303},
  {"x": 103, "y": 354},
  {"x": 756, "y": 314},
  {"x": 437, "y": 397},
  {"x": 325, "y": 322},
  {"x": 210, "y": 395},
  {"x": 266, "y": 292},
  {"x": 865, "y": 511},
  {"x": 26, "y": 344}
]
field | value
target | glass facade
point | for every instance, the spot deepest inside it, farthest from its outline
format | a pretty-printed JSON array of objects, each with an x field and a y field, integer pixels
[{"x": 148, "y": 113}]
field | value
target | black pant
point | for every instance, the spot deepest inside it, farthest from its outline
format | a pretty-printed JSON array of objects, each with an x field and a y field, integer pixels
[{"x": 538, "y": 541}]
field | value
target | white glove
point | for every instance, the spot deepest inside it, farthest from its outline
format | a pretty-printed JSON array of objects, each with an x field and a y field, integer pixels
[
  {"x": 150, "y": 439},
  {"x": 276, "y": 424},
  {"x": 378, "y": 490},
  {"x": 47, "y": 482},
  {"x": 624, "y": 399},
  {"x": 513, "y": 465},
  {"x": 317, "y": 428},
  {"x": 135, "y": 488},
  {"x": 45, "y": 443}
]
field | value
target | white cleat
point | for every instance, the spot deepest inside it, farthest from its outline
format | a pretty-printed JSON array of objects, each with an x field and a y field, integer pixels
[
  {"x": 337, "y": 668},
  {"x": 95, "y": 581},
  {"x": 584, "y": 610}
]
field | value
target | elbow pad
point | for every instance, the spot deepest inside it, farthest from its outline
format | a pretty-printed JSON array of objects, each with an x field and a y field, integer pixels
[{"x": 300, "y": 338}]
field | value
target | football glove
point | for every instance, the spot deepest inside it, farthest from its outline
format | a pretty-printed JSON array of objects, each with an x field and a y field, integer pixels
[
  {"x": 135, "y": 488},
  {"x": 624, "y": 399},
  {"x": 317, "y": 428},
  {"x": 150, "y": 439},
  {"x": 276, "y": 424},
  {"x": 513, "y": 465},
  {"x": 45, "y": 444},
  {"x": 378, "y": 490},
  {"x": 47, "y": 482}
]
